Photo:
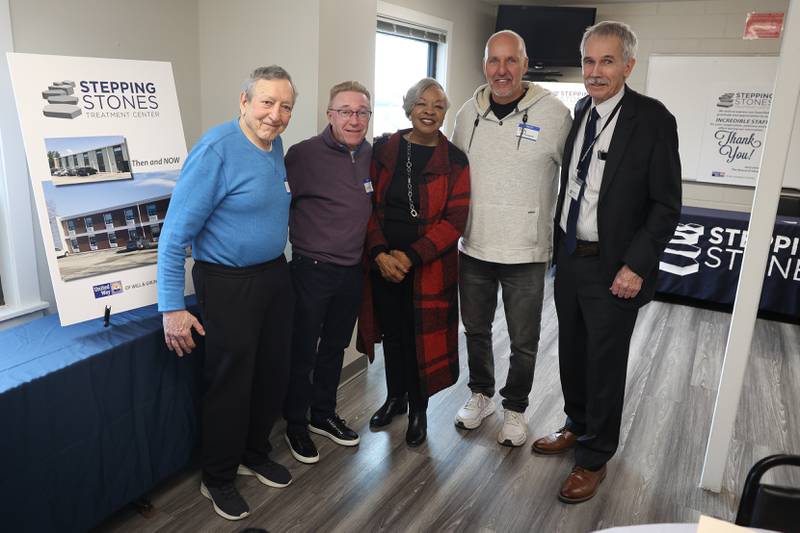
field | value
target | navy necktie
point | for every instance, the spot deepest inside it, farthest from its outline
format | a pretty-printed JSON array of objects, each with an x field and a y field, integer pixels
[{"x": 583, "y": 169}]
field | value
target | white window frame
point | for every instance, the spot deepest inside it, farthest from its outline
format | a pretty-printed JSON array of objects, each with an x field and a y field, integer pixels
[
  {"x": 417, "y": 18},
  {"x": 18, "y": 272}
]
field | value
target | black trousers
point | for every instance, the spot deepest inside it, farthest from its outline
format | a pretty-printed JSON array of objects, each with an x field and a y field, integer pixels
[
  {"x": 594, "y": 333},
  {"x": 328, "y": 298},
  {"x": 394, "y": 307},
  {"x": 247, "y": 314}
]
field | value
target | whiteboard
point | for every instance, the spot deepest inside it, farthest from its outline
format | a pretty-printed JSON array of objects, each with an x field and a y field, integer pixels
[{"x": 690, "y": 86}]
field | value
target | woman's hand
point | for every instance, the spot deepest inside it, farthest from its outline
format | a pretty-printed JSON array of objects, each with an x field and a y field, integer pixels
[
  {"x": 391, "y": 268},
  {"x": 403, "y": 258}
]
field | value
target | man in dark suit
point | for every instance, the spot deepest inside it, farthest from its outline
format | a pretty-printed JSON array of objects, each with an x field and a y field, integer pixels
[{"x": 618, "y": 205}]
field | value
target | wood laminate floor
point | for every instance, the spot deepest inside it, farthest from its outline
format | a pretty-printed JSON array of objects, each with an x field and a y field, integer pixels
[{"x": 464, "y": 481}]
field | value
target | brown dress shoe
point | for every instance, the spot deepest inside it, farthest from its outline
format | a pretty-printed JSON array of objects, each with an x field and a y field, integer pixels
[
  {"x": 581, "y": 485},
  {"x": 555, "y": 443}
]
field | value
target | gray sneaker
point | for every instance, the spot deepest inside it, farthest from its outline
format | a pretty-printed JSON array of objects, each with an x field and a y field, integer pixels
[
  {"x": 515, "y": 429},
  {"x": 478, "y": 407},
  {"x": 227, "y": 501}
]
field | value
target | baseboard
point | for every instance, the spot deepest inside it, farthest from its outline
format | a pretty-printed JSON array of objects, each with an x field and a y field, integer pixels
[{"x": 354, "y": 369}]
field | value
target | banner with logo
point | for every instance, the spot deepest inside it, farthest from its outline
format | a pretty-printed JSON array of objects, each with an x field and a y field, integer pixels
[
  {"x": 104, "y": 144},
  {"x": 733, "y": 134},
  {"x": 704, "y": 257},
  {"x": 568, "y": 92}
]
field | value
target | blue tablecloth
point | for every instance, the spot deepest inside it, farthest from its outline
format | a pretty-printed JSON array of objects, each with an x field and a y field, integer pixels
[
  {"x": 91, "y": 418},
  {"x": 704, "y": 258}
]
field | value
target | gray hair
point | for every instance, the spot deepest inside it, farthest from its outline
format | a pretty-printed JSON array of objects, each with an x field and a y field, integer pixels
[
  {"x": 272, "y": 72},
  {"x": 416, "y": 91},
  {"x": 612, "y": 28},
  {"x": 513, "y": 34},
  {"x": 348, "y": 86}
]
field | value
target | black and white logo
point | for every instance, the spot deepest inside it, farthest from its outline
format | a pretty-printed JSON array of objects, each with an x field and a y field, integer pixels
[
  {"x": 680, "y": 255},
  {"x": 61, "y": 100}
]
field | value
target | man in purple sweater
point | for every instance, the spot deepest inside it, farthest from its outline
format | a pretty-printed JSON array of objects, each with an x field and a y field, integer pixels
[{"x": 329, "y": 178}]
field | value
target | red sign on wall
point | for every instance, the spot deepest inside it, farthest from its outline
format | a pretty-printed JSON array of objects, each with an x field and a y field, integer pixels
[{"x": 763, "y": 26}]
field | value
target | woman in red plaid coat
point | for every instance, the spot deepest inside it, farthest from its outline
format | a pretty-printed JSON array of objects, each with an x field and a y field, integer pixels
[{"x": 420, "y": 205}]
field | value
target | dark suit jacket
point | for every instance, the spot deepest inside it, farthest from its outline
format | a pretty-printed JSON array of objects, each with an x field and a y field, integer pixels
[{"x": 640, "y": 196}]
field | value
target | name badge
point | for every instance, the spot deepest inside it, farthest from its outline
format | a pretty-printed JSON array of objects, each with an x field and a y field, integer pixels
[
  {"x": 574, "y": 186},
  {"x": 368, "y": 186},
  {"x": 286, "y": 184},
  {"x": 528, "y": 131}
]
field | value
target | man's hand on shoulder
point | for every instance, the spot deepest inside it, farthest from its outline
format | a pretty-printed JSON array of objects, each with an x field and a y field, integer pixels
[
  {"x": 627, "y": 283},
  {"x": 178, "y": 331}
]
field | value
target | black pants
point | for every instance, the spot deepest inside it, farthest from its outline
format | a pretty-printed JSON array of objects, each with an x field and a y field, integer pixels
[
  {"x": 594, "y": 334},
  {"x": 247, "y": 315},
  {"x": 328, "y": 299},
  {"x": 394, "y": 307}
]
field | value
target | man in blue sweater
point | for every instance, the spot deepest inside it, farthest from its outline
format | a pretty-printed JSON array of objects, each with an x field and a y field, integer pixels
[
  {"x": 231, "y": 205},
  {"x": 331, "y": 205}
]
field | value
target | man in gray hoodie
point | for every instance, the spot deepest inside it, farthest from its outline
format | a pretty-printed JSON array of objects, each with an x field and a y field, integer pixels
[{"x": 513, "y": 132}]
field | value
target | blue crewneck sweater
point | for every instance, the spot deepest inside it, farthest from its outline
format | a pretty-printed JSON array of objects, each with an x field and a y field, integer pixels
[{"x": 230, "y": 204}]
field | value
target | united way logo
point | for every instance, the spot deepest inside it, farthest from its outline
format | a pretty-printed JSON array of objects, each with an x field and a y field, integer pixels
[
  {"x": 61, "y": 100},
  {"x": 680, "y": 255}
]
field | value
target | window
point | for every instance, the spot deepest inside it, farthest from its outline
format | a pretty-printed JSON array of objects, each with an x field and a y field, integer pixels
[
  {"x": 101, "y": 164},
  {"x": 92, "y": 242},
  {"x": 133, "y": 235},
  {"x": 89, "y": 224},
  {"x": 129, "y": 221},
  {"x": 75, "y": 247},
  {"x": 112, "y": 239},
  {"x": 409, "y": 46},
  {"x": 155, "y": 231},
  {"x": 152, "y": 216},
  {"x": 109, "y": 220}
]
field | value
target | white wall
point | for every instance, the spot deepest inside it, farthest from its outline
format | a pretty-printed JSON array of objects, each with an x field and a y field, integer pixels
[
  {"x": 239, "y": 35},
  {"x": 473, "y": 23},
  {"x": 703, "y": 27}
]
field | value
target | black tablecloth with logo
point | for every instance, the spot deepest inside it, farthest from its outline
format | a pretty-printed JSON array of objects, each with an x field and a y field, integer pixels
[
  {"x": 703, "y": 260},
  {"x": 91, "y": 418}
]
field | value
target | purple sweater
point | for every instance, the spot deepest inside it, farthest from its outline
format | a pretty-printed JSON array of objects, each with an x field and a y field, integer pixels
[{"x": 330, "y": 204}]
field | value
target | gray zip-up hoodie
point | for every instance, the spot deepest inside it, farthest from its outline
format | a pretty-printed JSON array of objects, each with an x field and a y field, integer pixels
[{"x": 514, "y": 175}]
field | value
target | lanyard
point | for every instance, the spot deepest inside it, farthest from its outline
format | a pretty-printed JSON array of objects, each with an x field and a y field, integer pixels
[{"x": 608, "y": 121}]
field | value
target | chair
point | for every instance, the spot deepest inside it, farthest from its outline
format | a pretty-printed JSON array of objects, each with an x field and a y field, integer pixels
[{"x": 770, "y": 506}]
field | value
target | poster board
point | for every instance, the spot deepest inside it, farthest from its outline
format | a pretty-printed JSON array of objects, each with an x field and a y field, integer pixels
[
  {"x": 104, "y": 144},
  {"x": 721, "y": 105}
]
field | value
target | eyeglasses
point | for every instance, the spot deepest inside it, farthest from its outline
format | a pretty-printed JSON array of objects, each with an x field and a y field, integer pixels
[{"x": 362, "y": 114}]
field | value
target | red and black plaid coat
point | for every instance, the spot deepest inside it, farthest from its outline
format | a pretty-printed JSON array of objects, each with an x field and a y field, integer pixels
[{"x": 444, "y": 204}]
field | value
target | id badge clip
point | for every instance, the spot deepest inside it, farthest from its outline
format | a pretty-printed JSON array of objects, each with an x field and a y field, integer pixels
[{"x": 574, "y": 186}]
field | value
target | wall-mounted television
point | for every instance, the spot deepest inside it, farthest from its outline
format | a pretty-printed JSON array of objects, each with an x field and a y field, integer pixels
[{"x": 552, "y": 34}]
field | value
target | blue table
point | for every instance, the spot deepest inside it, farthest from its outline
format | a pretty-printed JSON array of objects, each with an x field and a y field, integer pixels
[
  {"x": 704, "y": 258},
  {"x": 91, "y": 418}
]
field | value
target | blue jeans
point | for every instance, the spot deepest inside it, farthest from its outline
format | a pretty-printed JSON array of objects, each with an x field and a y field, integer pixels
[{"x": 523, "y": 290}]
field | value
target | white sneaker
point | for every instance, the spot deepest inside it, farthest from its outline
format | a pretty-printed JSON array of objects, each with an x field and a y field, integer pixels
[
  {"x": 515, "y": 429},
  {"x": 478, "y": 407}
]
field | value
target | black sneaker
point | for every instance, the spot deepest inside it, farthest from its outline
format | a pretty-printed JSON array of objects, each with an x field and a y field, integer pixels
[
  {"x": 269, "y": 473},
  {"x": 227, "y": 501},
  {"x": 301, "y": 446},
  {"x": 335, "y": 429}
]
